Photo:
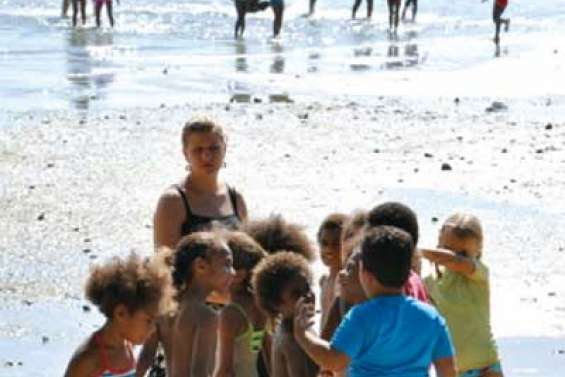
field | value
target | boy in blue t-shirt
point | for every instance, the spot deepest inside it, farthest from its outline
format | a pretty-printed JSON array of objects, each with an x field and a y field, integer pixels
[{"x": 390, "y": 334}]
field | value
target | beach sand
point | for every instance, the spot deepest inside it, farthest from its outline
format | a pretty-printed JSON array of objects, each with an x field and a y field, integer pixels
[{"x": 76, "y": 189}]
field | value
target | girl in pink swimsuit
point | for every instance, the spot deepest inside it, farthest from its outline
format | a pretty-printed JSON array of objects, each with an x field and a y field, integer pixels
[{"x": 98, "y": 8}]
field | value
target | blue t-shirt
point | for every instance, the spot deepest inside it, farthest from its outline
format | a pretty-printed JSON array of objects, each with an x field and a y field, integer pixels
[{"x": 392, "y": 336}]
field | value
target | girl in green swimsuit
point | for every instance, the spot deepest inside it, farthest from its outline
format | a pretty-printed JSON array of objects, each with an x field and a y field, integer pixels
[{"x": 241, "y": 328}]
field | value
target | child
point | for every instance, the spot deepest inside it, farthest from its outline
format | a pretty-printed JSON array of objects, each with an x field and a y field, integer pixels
[
  {"x": 275, "y": 234},
  {"x": 98, "y": 8},
  {"x": 247, "y": 6},
  {"x": 278, "y": 282},
  {"x": 75, "y": 5},
  {"x": 393, "y": 9},
  {"x": 202, "y": 263},
  {"x": 414, "y": 4},
  {"x": 356, "y": 6},
  {"x": 278, "y": 11},
  {"x": 241, "y": 329},
  {"x": 129, "y": 293},
  {"x": 378, "y": 337},
  {"x": 461, "y": 294},
  {"x": 401, "y": 216},
  {"x": 329, "y": 239},
  {"x": 498, "y": 8}
]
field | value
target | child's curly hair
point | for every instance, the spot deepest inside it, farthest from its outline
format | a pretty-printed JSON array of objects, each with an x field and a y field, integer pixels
[
  {"x": 134, "y": 282},
  {"x": 275, "y": 234},
  {"x": 245, "y": 250},
  {"x": 333, "y": 223},
  {"x": 190, "y": 247},
  {"x": 272, "y": 276}
]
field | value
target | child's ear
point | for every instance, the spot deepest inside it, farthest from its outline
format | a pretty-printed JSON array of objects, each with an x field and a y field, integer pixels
[
  {"x": 120, "y": 312},
  {"x": 200, "y": 265}
]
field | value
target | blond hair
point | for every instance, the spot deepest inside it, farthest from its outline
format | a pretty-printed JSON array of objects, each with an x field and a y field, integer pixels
[
  {"x": 202, "y": 124},
  {"x": 465, "y": 225}
]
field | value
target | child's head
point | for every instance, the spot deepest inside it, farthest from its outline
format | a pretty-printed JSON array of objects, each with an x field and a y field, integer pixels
[
  {"x": 351, "y": 290},
  {"x": 462, "y": 233},
  {"x": 279, "y": 281},
  {"x": 130, "y": 293},
  {"x": 202, "y": 257},
  {"x": 386, "y": 254},
  {"x": 351, "y": 233},
  {"x": 395, "y": 214},
  {"x": 275, "y": 234},
  {"x": 247, "y": 253},
  {"x": 329, "y": 239}
]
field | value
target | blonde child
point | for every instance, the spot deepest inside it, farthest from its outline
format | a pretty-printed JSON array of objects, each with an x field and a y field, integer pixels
[
  {"x": 329, "y": 241},
  {"x": 460, "y": 291},
  {"x": 129, "y": 293},
  {"x": 202, "y": 263},
  {"x": 278, "y": 282},
  {"x": 241, "y": 330}
]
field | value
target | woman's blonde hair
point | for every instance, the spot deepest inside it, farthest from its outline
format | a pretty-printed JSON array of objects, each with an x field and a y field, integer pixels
[
  {"x": 465, "y": 225},
  {"x": 202, "y": 124}
]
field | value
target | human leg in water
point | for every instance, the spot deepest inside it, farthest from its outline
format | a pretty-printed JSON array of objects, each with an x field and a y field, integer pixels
[
  {"x": 278, "y": 11},
  {"x": 240, "y": 22},
  {"x": 369, "y": 8},
  {"x": 356, "y": 5},
  {"x": 110, "y": 12}
]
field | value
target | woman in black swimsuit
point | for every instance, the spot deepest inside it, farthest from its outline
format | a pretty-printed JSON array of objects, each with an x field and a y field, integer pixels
[{"x": 200, "y": 199}]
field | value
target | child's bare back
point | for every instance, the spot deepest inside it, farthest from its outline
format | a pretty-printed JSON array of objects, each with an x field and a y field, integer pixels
[{"x": 288, "y": 358}]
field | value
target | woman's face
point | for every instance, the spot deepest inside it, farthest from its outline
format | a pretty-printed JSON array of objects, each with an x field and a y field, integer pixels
[{"x": 205, "y": 152}]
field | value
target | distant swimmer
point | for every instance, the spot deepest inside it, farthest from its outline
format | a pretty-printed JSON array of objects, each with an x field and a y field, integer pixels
[
  {"x": 356, "y": 6},
  {"x": 393, "y": 10},
  {"x": 498, "y": 9},
  {"x": 247, "y": 6},
  {"x": 98, "y": 8},
  {"x": 76, "y": 4},
  {"x": 278, "y": 11},
  {"x": 414, "y": 4}
]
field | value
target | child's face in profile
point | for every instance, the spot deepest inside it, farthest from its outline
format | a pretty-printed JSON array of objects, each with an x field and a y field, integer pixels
[
  {"x": 137, "y": 326},
  {"x": 293, "y": 290},
  {"x": 330, "y": 248},
  {"x": 221, "y": 272},
  {"x": 351, "y": 289},
  {"x": 467, "y": 246}
]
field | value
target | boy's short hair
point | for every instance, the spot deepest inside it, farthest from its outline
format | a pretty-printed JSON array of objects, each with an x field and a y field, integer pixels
[
  {"x": 333, "y": 223},
  {"x": 386, "y": 253},
  {"x": 272, "y": 275},
  {"x": 135, "y": 282},
  {"x": 395, "y": 214},
  {"x": 275, "y": 234},
  {"x": 245, "y": 250}
]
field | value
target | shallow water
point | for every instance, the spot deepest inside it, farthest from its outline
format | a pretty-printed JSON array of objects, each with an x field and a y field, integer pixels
[{"x": 176, "y": 52}]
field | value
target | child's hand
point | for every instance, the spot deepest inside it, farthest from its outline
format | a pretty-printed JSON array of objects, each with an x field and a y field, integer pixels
[{"x": 303, "y": 315}]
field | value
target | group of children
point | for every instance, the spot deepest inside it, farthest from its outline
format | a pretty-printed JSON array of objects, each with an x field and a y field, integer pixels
[
  {"x": 378, "y": 317},
  {"x": 253, "y": 6}
]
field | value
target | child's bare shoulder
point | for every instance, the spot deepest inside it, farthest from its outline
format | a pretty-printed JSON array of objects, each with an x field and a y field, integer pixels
[{"x": 85, "y": 360}]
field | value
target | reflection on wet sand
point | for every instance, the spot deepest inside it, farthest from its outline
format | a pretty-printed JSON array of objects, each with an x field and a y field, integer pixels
[
  {"x": 88, "y": 69},
  {"x": 241, "y": 64},
  {"x": 278, "y": 58}
]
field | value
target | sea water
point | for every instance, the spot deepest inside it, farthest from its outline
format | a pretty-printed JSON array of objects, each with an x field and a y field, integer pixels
[{"x": 170, "y": 52}]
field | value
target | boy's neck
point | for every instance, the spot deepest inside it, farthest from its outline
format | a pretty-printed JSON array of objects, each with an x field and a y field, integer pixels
[
  {"x": 334, "y": 271},
  {"x": 110, "y": 335},
  {"x": 197, "y": 291},
  {"x": 384, "y": 291}
]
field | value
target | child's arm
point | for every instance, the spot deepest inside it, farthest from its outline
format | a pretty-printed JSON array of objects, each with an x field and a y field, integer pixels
[
  {"x": 266, "y": 351},
  {"x": 147, "y": 354},
  {"x": 445, "y": 367},
  {"x": 279, "y": 362},
  {"x": 332, "y": 320},
  {"x": 318, "y": 349},
  {"x": 229, "y": 327},
  {"x": 453, "y": 261}
]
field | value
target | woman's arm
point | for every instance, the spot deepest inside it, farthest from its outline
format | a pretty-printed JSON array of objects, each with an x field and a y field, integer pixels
[
  {"x": 445, "y": 367},
  {"x": 453, "y": 261},
  {"x": 167, "y": 220}
]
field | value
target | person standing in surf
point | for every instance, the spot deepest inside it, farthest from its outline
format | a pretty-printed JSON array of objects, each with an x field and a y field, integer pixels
[
  {"x": 278, "y": 11},
  {"x": 356, "y": 6},
  {"x": 499, "y": 7},
  {"x": 243, "y": 7},
  {"x": 414, "y": 4}
]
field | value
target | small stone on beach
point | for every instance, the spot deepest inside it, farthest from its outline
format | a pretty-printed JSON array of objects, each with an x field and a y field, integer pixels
[
  {"x": 548, "y": 126},
  {"x": 44, "y": 339},
  {"x": 86, "y": 308},
  {"x": 41, "y": 217},
  {"x": 445, "y": 166},
  {"x": 428, "y": 155},
  {"x": 496, "y": 106}
]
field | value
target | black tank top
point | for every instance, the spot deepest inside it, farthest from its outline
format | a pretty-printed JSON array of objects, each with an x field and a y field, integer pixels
[{"x": 194, "y": 223}]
